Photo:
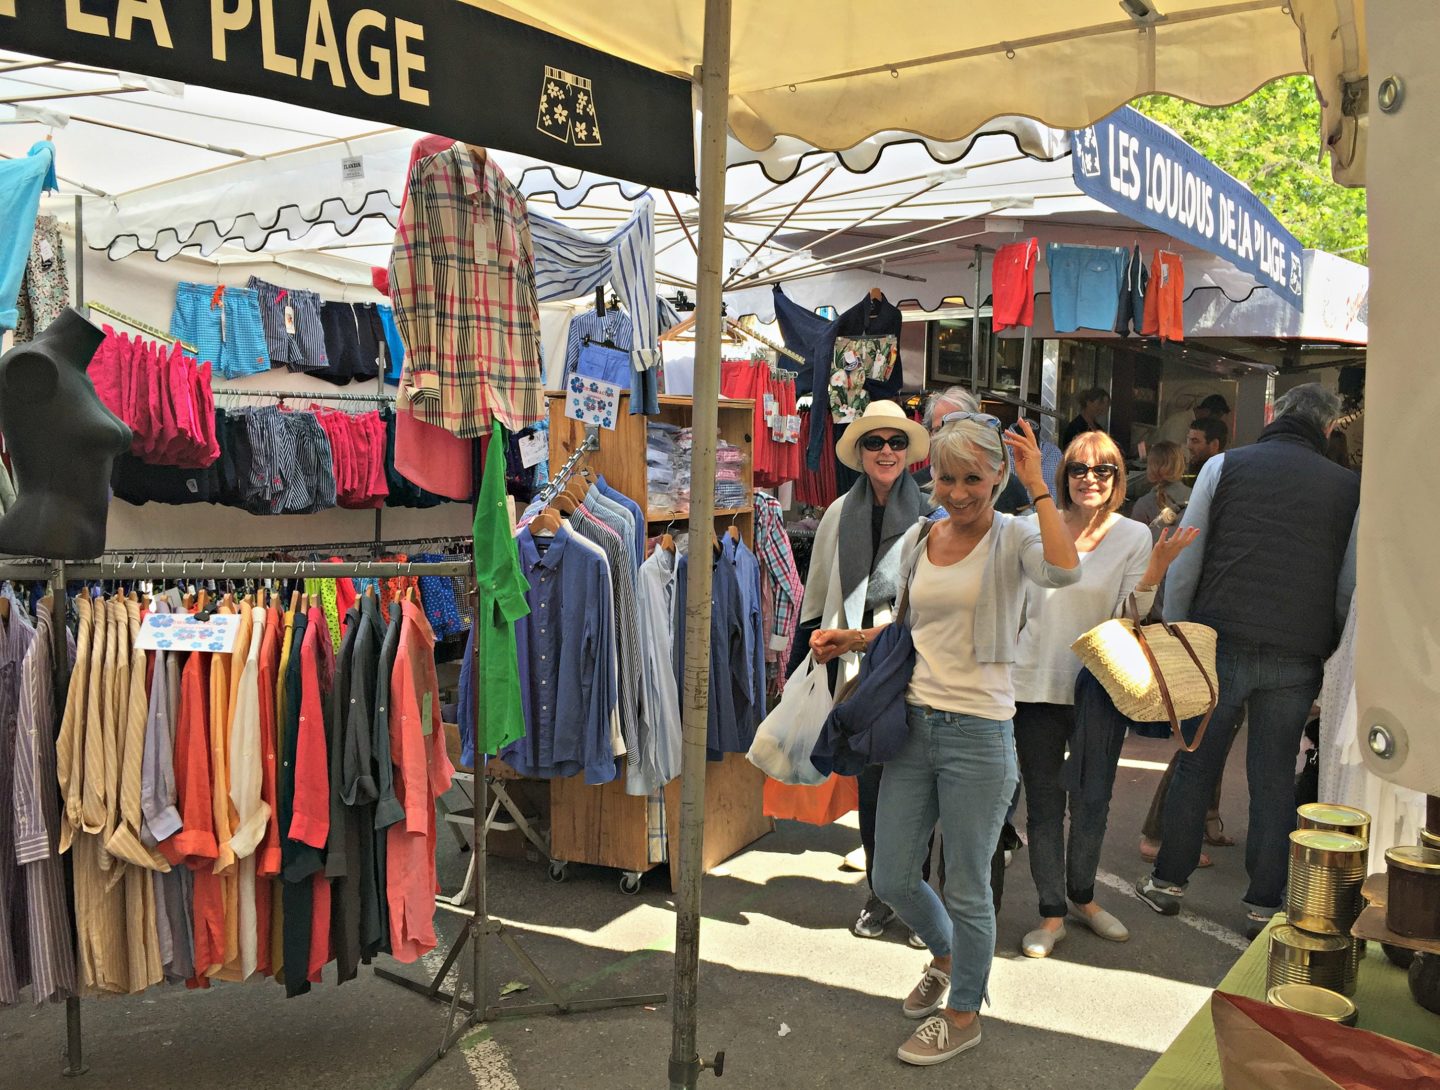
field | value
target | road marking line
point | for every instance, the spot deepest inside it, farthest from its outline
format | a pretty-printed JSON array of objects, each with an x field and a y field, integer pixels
[
  {"x": 1218, "y": 932},
  {"x": 488, "y": 1064},
  {"x": 1148, "y": 766}
]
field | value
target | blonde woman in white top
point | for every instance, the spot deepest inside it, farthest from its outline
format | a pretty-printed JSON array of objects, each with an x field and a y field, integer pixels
[{"x": 1117, "y": 557}]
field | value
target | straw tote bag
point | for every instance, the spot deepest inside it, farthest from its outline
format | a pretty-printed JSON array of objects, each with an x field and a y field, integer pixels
[{"x": 1154, "y": 673}]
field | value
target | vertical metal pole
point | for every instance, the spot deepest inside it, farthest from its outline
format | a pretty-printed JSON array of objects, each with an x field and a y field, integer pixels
[
  {"x": 479, "y": 836},
  {"x": 74, "y": 1041},
  {"x": 975, "y": 329},
  {"x": 1025, "y": 369},
  {"x": 1049, "y": 388},
  {"x": 714, "y": 101},
  {"x": 79, "y": 253}
]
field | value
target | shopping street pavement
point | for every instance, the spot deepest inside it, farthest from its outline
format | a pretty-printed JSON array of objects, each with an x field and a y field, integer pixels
[{"x": 786, "y": 991}]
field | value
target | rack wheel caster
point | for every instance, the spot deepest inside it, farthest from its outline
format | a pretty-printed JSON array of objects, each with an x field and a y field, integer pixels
[
  {"x": 559, "y": 871},
  {"x": 630, "y": 883}
]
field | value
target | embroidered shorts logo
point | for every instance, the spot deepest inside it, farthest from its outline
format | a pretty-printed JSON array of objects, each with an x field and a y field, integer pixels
[{"x": 567, "y": 109}]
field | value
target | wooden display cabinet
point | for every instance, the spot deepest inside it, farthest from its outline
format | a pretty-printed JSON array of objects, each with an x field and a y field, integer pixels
[{"x": 604, "y": 826}]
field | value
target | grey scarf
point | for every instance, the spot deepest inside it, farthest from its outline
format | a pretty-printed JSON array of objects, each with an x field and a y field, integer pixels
[{"x": 868, "y": 582}]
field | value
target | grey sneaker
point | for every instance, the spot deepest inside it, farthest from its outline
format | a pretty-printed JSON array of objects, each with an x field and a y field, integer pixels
[
  {"x": 873, "y": 919},
  {"x": 1161, "y": 896},
  {"x": 929, "y": 995},
  {"x": 937, "y": 1040},
  {"x": 915, "y": 941}
]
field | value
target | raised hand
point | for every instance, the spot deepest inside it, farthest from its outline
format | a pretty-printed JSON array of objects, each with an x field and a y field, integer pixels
[{"x": 1025, "y": 455}]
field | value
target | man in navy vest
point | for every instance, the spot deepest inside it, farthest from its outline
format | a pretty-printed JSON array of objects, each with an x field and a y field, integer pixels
[{"x": 1272, "y": 572}]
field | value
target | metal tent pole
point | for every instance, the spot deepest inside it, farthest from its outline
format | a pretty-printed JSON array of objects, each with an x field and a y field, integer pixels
[
  {"x": 685, "y": 1063},
  {"x": 975, "y": 330}
]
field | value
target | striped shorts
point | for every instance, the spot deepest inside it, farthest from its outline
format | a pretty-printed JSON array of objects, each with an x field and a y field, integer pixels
[
  {"x": 304, "y": 349},
  {"x": 223, "y": 324}
]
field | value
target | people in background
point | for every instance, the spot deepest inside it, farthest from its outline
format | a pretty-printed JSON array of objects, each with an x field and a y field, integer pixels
[
  {"x": 1175, "y": 426},
  {"x": 952, "y": 399},
  {"x": 1117, "y": 558},
  {"x": 1165, "y": 501},
  {"x": 1094, "y": 404},
  {"x": 1206, "y": 438},
  {"x": 854, "y": 575},
  {"x": 966, "y": 578},
  {"x": 1272, "y": 572}
]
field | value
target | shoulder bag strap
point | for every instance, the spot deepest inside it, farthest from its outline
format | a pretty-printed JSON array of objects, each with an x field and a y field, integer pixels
[
  {"x": 1165, "y": 689},
  {"x": 903, "y": 607}
]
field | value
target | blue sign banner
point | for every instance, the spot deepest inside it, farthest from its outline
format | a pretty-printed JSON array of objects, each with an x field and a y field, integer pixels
[{"x": 1146, "y": 172}]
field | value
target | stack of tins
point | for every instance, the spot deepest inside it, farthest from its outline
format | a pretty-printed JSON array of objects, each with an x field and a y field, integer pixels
[{"x": 1327, "y": 868}]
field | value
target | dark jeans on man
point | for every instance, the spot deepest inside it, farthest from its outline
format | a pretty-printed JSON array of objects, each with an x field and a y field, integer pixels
[
  {"x": 1280, "y": 687},
  {"x": 1061, "y": 868}
]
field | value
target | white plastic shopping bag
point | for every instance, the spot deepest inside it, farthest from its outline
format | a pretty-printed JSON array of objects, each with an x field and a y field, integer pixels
[{"x": 783, "y": 742}]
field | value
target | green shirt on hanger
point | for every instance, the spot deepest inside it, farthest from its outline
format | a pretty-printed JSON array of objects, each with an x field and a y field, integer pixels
[{"x": 501, "y": 589}]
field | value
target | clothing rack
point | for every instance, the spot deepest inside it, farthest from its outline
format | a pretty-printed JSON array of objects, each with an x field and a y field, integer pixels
[
  {"x": 479, "y": 927},
  {"x": 556, "y": 484},
  {"x": 291, "y": 395},
  {"x": 137, "y": 324},
  {"x": 446, "y": 543}
]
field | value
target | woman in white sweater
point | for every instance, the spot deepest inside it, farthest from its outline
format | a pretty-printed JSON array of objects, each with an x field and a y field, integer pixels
[{"x": 1116, "y": 558}]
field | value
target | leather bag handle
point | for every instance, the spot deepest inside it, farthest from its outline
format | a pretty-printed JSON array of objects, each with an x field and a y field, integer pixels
[{"x": 1165, "y": 689}]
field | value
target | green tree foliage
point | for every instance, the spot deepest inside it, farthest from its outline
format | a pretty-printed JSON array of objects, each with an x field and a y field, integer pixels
[{"x": 1271, "y": 142}]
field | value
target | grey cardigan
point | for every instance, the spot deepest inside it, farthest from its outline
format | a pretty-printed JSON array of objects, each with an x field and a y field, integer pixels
[{"x": 1016, "y": 554}]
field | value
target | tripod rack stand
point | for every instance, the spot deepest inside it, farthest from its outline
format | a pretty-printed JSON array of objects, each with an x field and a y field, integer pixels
[{"x": 479, "y": 927}]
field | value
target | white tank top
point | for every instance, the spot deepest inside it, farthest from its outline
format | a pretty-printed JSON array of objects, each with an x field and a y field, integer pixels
[{"x": 942, "y": 624}]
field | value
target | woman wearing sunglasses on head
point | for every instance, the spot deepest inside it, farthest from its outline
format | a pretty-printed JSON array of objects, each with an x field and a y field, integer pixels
[
  {"x": 966, "y": 579},
  {"x": 1117, "y": 556},
  {"x": 854, "y": 569}
]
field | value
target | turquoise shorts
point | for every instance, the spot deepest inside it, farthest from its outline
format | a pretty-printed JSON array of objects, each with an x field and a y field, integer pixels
[{"x": 223, "y": 324}]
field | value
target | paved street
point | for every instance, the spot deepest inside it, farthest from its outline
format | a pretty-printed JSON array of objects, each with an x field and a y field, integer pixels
[{"x": 787, "y": 992}]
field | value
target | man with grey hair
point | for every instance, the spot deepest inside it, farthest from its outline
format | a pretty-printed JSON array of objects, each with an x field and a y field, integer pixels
[
  {"x": 1272, "y": 572},
  {"x": 952, "y": 399}
]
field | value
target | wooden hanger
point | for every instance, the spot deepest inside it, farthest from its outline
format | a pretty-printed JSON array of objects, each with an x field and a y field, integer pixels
[
  {"x": 4, "y": 609},
  {"x": 667, "y": 543},
  {"x": 547, "y": 521},
  {"x": 294, "y": 601},
  {"x": 564, "y": 503},
  {"x": 478, "y": 153},
  {"x": 734, "y": 532}
]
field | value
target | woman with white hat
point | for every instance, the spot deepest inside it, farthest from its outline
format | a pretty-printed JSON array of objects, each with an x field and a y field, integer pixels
[
  {"x": 854, "y": 570},
  {"x": 966, "y": 578}
]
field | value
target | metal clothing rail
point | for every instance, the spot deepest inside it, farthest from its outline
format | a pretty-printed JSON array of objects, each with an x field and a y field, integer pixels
[
  {"x": 461, "y": 542},
  {"x": 294, "y": 395},
  {"x": 137, "y": 324},
  {"x": 556, "y": 484}
]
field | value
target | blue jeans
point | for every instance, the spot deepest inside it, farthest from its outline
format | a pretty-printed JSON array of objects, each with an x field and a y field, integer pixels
[
  {"x": 960, "y": 770},
  {"x": 1279, "y": 686}
]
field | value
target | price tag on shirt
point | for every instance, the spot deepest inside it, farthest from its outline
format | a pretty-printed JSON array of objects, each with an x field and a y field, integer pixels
[
  {"x": 47, "y": 254},
  {"x": 792, "y": 429},
  {"x": 533, "y": 449},
  {"x": 289, "y": 319}
]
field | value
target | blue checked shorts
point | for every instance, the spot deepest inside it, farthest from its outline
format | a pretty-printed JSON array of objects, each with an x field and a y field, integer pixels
[
  {"x": 223, "y": 324},
  {"x": 304, "y": 349}
]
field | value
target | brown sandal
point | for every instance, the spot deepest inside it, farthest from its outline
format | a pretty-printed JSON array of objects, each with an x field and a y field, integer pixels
[{"x": 1217, "y": 839}]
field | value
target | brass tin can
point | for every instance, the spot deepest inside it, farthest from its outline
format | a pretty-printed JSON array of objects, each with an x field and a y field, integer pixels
[
  {"x": 1412, "y": 906},
  {"x": 1327, "y": 870},
  {"x": 1352, "y": 966},
  {"x": 1336, "y": 818},
  {"x": 1308, "y": 999},
  {"x": 1429, "y": 839},
  {"x": 1298, "y": 957}
]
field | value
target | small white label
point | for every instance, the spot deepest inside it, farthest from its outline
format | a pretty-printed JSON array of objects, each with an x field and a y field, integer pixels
[
  {"x": 192, "y": 485},
  {"x": 47, "y": 253},
  {"x": 533, "y": 449},
  {"x": 289, "y": 319},
  {"x": 352, "y": 168}
]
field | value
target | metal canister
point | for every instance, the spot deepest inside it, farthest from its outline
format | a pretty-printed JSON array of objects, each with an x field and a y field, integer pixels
[
  {"x": 1352, "y": 966},
  {"x": 1308, "y": 999},
  {"x": 1298, "y": 957},
  {"x": 1336, "y": 818},
  {"x": 1326, "y": 872},
  {"x": 1412, "y": 905},
  {"x": 1429, "y": 839}
]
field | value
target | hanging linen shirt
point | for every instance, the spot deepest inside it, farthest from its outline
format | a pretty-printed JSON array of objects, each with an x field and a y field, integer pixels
[
  {"x": 747, "y": 578},
  {"x": 566, "y": 650},
  {"x": 501, "y": 602},
  {"x": 37, "y": 820},
  {"x": 570, "y": 264},
  {"x": 655, "y": 601},
  {"x": 247, "y": 776},
  {"x": 417, "y": 739},
  {"x": 462, "y": 279},
  {"x": 730, "y": 669},
  {"x": 15, "y": 640},
  {"x": 21, "y": 181},
  {"x": 634, "y": 508},
  {"x": 772, "y": 545},
  {"x": 619, "y": 518},
  {"x": 360, "y": 788}
]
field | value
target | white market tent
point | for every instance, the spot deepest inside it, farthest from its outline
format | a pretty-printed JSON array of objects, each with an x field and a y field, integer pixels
[{"x": 795, "y": 71}]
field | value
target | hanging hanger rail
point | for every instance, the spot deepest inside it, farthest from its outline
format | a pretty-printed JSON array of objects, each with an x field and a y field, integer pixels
[
  {"x": 789, "y": 353},
  {"x": 556, "y": 484},
  {"x": 137, "y": 324},
  {"x": 443, "y": 543},
  {"x": 279, "y": 569},
  {"x": 301, "y": 395}
]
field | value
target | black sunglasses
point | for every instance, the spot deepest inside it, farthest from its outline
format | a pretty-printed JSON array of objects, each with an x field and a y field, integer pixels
[
  {"x": 879, "y": 442},
  {"x": 1078, "y": 471}
]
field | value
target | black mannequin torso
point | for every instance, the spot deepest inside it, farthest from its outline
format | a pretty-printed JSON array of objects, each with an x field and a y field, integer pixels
[{"x": 62, "y": 442}]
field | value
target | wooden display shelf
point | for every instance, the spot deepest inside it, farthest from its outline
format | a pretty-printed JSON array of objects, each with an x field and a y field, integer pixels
[{"x": 604, "y": 826}]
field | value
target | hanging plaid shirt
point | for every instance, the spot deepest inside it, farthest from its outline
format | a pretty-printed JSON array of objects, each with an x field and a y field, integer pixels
[
  {"x": 777, "y": 564},
  {"x": 462, "y": 281}
]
